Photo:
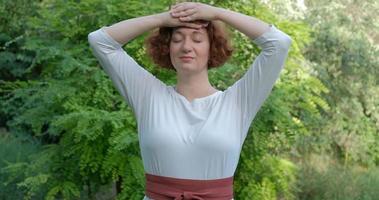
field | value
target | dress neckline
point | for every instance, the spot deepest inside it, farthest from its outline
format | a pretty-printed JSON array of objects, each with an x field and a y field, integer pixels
[{"x": 199, "y": 99}]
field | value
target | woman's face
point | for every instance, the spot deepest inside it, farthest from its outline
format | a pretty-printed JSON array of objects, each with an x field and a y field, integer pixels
[{"x": 191, "y": 43}]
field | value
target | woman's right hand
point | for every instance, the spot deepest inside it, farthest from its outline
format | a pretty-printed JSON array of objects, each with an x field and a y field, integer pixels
[{"x": 170, "y": 21}]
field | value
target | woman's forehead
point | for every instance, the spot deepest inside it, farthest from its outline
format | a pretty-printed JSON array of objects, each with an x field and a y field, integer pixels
[{"x": 188, "y": 30}]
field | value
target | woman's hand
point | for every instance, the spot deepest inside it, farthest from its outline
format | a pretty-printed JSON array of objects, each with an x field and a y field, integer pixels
[
  {"x": 191, "y": 11},
  {"x": 169, "y": 21}
]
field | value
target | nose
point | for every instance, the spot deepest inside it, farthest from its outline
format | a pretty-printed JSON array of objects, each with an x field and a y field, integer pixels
[{"x": 186, "y": 47}]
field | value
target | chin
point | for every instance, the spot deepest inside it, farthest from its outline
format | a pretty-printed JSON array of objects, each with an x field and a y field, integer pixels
[{"x": 186, "y": 67}]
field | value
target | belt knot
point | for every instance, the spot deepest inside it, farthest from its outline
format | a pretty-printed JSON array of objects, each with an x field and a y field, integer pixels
[{"x": 189, "y": 196}]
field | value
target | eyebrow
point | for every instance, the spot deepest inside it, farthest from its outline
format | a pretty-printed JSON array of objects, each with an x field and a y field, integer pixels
[{"x": 191, "y": 33}]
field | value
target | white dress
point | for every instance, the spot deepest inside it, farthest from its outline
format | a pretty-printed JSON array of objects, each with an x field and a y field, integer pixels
[{"x": 198, "y": 139}]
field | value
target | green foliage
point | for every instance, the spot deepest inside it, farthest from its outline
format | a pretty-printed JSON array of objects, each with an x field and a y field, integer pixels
[
  {"x": 15, "y": 61},
  {"x": 267, "y": 178},
  {"x": 14, "y": 154},
  {"x": 347, "y": 64},
  {"x": 321, "y": 177},
  {"x": 82, "y": 122},
  {"x": 67, "y": 189},
  {"x": 53, "y": 91}
]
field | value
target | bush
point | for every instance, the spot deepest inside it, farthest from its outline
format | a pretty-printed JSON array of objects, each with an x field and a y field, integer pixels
[
  {"x": 322, "y": 178},
  {"x": 14, "y": 149}
]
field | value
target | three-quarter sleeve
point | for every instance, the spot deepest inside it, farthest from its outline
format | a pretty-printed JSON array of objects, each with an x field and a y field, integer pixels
[
  {"x": 132, "y": 81},
  {"x": 254, "y": 87}
]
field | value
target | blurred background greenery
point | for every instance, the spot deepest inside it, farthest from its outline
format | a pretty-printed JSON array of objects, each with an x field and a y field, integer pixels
[{"x": 67, "y": 134}]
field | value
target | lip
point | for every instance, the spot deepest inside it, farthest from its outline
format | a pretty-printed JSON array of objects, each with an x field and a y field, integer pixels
[{"x": 186, "y": 58}]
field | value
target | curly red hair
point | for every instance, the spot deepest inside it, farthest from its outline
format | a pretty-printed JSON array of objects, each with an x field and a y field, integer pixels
[{"x": 158, "y": 45}]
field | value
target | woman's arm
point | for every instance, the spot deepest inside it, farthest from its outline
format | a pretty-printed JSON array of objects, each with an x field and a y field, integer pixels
[
  {"x": 127, "y": 30},
  {"x": 250, "y": 26},
  {"x": 255, "y": 86},
  {"x": 133, "y": 82}
]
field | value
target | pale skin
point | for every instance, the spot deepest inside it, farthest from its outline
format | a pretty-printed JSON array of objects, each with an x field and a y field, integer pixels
[{"x": 192, "y": 74}]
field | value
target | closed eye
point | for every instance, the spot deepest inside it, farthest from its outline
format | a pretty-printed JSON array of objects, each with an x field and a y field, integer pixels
[{"x": 177, "y": 41}]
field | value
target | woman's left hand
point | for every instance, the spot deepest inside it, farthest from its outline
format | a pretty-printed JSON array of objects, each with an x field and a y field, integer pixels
[{"x": 191, "y": 11}]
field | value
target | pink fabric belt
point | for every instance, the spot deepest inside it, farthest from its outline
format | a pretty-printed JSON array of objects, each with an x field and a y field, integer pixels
[{"x": 167, "y": 188}]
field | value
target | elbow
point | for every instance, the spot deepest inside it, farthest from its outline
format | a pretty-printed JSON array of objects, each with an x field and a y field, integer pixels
[
  {"x": 94, "y": 37},
  {"x": 288, "y": 41},
  {"x": 91, "y": 38},
  {"x": 285, "y": 42}
]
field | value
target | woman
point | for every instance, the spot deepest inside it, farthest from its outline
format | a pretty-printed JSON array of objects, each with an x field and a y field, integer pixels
[{"x": 191, "y": 135}]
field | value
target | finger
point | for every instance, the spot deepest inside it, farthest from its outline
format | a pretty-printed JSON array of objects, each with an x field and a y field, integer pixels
[
  {"x": 183, "y": 13},
  {"x": 192, "y": 25},
  {"x": 174, "y": 5},
  {"x": 187, "y": 18},
  {"x": 177, "y": 8},
  {"x": 178, "y": 4},
  {"x": 183, "y": 6}
]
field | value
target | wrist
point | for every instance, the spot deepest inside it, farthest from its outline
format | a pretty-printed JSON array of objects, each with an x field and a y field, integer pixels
[
  {"x": 218, "y": 13},
  {"x": 160, "y": 18}
]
